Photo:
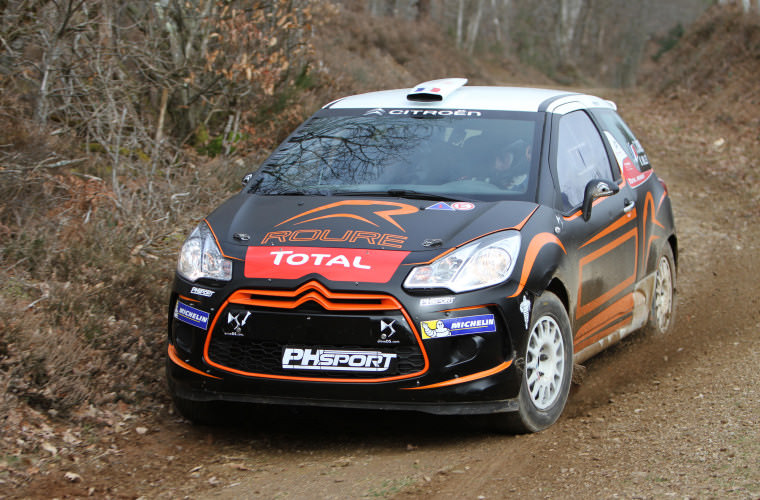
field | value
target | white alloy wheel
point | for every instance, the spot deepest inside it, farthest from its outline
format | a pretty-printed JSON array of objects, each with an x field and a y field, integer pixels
[
  {"x": 663, "y": 295},
  {"x": 547, "y": 369},
  {"x": 545, "y": 362}
]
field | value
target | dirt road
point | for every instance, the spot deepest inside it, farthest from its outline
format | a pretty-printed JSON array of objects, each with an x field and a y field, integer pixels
[{"x": 652, "y": 418}]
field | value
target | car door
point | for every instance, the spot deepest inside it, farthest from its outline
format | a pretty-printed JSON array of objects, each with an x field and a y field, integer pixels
[
  {"x": 639, "y": 178},
  {"x": 603, "y": 248}
]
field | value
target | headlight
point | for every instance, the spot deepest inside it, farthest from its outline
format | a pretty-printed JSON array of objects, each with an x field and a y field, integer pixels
[
  {"x": 484, "y": 262},
  {"x": 200, "y": 257}
]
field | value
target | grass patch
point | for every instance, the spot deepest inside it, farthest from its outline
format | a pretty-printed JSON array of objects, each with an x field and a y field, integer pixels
[{"x": 391, "y": 487}]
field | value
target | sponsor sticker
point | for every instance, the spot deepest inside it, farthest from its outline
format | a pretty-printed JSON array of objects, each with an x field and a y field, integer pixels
[
  {"x": 296, "y": 358},
  {"x": 638, "y": 152},
  {"x": 201, "y": 292},
  {"x": 632, "y": 174},
  {"x": 525, "y": 310},
  {"x": 462, "y": 205},
  {"x": 456, "y": 206},
  {"x": 191, "y": 315},
  {"x": 337, "y": 264},
  {"x": 301, "y": 236},
  {"x": 436, "y": 301},
  {"x": 236, "y": 322},
  {"x": 467, "y": 325},
  {"x": 435, "y": 112},
  {"x": 387, "y": 331},
  {"x": 373, "y": 212},
  {"x": 440, "y": 206}
]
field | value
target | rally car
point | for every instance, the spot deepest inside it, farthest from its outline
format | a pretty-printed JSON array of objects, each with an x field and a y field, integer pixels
[{"x": 448, "y": 249}]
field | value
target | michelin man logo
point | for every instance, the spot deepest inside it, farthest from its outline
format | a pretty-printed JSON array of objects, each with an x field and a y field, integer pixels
[
  {"x": 464, "y": 325},
  {"x": 525, "y": 310},
  {"x": 439, "y": 331}
]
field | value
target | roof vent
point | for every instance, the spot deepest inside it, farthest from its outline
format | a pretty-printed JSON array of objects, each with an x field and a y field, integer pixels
[{"x": 435, "y": 90}]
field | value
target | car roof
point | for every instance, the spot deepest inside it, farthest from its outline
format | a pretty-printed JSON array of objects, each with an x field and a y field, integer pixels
[{"x": 452, "y": 93}]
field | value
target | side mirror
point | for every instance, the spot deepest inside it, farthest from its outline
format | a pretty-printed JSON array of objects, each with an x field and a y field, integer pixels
[
  {"x": 595, "y": 189},
  {"x": 245, "y": 179}
]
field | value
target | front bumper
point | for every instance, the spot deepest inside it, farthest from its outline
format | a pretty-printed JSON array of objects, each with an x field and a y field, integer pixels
[
  {"x": 464, "y": 398},
  {"x": 235, "y": 356}
]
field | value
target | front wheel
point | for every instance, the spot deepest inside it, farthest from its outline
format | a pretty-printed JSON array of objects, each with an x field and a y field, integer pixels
[{"x": 548, "y": 369}]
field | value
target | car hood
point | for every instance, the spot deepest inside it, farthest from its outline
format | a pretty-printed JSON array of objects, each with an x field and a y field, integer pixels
[{"x": 361, "y": 223}]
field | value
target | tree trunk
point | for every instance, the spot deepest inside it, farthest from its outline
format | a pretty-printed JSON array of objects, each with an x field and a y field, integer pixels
[
  {"x": 423, "y": 10},
  {"x": 473, "y": 27},
  {"x": 569, "y": 14},
  {"x": 460, "y": 22}
]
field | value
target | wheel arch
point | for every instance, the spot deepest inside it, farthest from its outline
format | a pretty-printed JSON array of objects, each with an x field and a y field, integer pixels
[
  {"x": 673, "y": 242},
  {"x": 558, "y": 288}
]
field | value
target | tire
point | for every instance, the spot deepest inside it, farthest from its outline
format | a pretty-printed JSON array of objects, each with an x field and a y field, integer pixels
[
  {"x": 547, "y": 369},
  {"x": 663, "y": 309},
  {"x": 199, "y": 412}
]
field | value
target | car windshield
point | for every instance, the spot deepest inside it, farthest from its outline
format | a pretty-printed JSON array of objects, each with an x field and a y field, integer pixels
[{"x": 446, "y": 154}]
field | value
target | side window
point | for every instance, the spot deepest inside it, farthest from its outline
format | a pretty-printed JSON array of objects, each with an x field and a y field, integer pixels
[
  {"x": 612, "y": 123},
  {"x": 580, "y": 157}
]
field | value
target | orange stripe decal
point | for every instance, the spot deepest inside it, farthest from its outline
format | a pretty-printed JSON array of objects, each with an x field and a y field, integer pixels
[
  {"x": 517, "y": 228},
  {"x": 337, "y": 216},
  {"x": 649, "y": 204},
  {"x": 173, "y": 356},
  {"x": 401, "y": 209},
  {"x": 662, "y": 198},
  {"x": 469, "y": 308},
  {"x": 597, "y": 337},
  {"x": 577, "y": 214},
  {"x": 467, "y": 378},
  {"x": 622, "y": 221},
  {"x": 583, "y": 309},
  {"x": 612, "y": 313},
  {"x": 522, "y": 223},
  {"x": 536, "y": 244},
  {"x": 217, "y": 241}
]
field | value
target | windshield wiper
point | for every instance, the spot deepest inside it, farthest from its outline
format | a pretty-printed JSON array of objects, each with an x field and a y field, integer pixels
[
  {"x": 400, "y": 193},
  {"x": 297, "y": 193}
]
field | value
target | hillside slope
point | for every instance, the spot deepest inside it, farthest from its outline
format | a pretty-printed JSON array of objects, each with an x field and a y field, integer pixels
[{"x": 714, "y": 67}]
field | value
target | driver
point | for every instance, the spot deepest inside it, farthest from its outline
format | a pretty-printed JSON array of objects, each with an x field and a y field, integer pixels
[{"x": 512, "y": 166}]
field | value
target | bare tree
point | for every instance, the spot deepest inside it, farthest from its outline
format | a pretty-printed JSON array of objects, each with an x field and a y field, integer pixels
[
  {"x": 473, "y": 27},
  {"x": 569, "y": 14},
  {"x": 111, "y": 68}
]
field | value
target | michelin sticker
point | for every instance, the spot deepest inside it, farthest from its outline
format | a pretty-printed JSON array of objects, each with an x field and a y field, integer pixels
[
  {"x": 525, "y": 310},
  {"x": 467, "y": 325},
  {"x": 191, "y": 315}
]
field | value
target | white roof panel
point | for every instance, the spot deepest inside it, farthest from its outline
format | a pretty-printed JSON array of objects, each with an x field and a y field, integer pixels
[{"x": 473, "y": 97}]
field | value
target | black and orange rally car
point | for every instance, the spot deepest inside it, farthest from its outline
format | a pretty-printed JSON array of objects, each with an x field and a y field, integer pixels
[{"x": 448, "y": 249}]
